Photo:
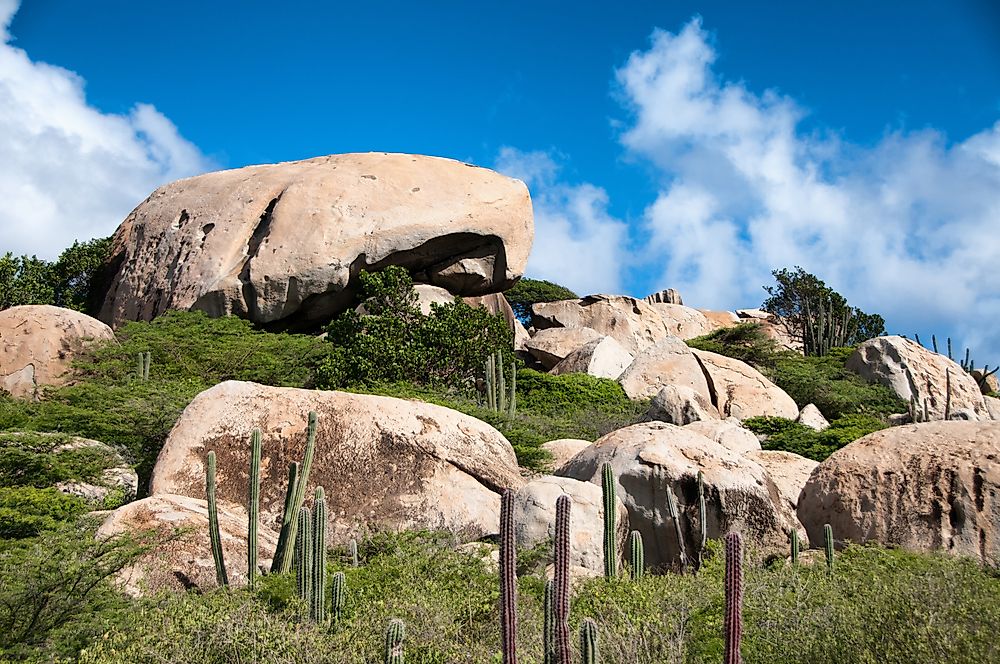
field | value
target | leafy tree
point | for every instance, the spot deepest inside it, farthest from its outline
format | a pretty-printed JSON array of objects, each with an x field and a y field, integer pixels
[
  {"x": 25, "y": 280},
  {"x": 817, "y": 315},
  {"x": 73, "y": 281},
  {"x": 527, "y": 292}
]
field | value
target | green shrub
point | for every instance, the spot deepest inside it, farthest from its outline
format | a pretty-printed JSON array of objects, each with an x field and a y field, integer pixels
[
  {"x": 791, "y": 436},
  {"x": 73, "y": 281},
  {"x": 746, "y": 342},
  {"x": 527, "y": 292},
  {"x": 27, "y": 511},
  {"x": 28, "y": 459}
]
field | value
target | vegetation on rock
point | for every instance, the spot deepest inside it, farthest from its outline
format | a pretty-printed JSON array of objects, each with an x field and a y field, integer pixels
[{"x": 527, "y": 292}]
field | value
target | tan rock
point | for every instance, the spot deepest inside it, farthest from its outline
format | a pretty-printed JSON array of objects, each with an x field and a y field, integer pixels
[
  {"x": 683, "y": 322},
  {"x": 669, "y": 362},
  {"x": 993, "y": 407},
  {"x": 604, "y": 358},
  {"x": 564, "y": 449},
  {"x": 788, "y": 471},
  {"x": 667, "y": 296},
  {"x": 39, "y": 342},
  {"x": 987, "y": 385},
  {"x": 428, "y": 295},
  {"x": 652, "y": 458},
  {"x": 753, "y": 314},
  {"x": 727, "y": 433},
  {"x": 720, "y": 319},
  {"x": 182, "y": 559},
  {"x": 284, "y": 243},
  {"x": 739, "y": 390},
  {"x": 927, "y": 487},
  {"x": 812, "y": 418},
  {"x": 385, "y": 463},
  {"x": 910, "y": 370},
  {"x": 633, "y": 323},
  {"x": 535, "y": 519},
  {"x": 680, "y": 405},
  {"x": 552, "y": 345},
  {"x": 496, "y": 303}
]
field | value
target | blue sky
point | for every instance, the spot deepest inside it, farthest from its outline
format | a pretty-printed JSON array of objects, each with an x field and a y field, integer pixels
[{"x": 693, "y": 145}]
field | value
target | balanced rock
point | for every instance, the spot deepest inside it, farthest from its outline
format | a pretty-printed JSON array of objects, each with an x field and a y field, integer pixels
[
  {"x": 727, "y": 433},
  {"x": 552, "y": 345},
  {"x": 652, "y": 458},
  {"x": 669, "y": 362},
  {"x": 633, "y": 323},
  {"x": 913, "y": 372},
  {"x": 604, "y": 358},
  {"x": 812, "y": 418},
  {"x": 683, "y": 322},
  {"x": 564, "y": 449},
  {"x": 385, "y": 463},
  {"x": 535, "y": 518},
  {"x": 933, "y": 486},
  {"x": 181, "y": 557},
  {"x": 283, "y": 244},
  {"x": 788, "y": 471},
  {"x": 738, "y": 390},
  {"x": 680, "y": 405},
  {"x": 38, "y": 343}
]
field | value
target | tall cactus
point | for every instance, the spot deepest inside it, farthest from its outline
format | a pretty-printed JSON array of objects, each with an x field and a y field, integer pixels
[
  {"x": 318, "y": 600},
  {"x": 561, "y": 589},
  {"x": 253, "y": 509},
  {"x": 280, "y": 548},
  {"x": 549, "y": 625},
  {"x": 338, "y": 593},
  {"x": 702, "y": 518},
  {"x": 638, "y": 557},
  {"x": 498, "y": 397},
  {"x": 678, "y": 531},
  {"x": 303, "y": 557},
  {"x": 588, "y": 642},
  {"x": 352, "y": 552},
  {"x": 795, "y": 546},
  {"x": 610, "y": 521},
  {"x": 733, "y": 625},
  {"x": 828, "y": 546},
  {"x": 508, "y": 579},
  {"x": 213, "y": 523},
  {"x": 394, "y": 635},
  {"x": 289, "y": 522}
]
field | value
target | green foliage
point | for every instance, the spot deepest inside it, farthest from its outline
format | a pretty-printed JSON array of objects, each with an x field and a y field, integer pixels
[
  {"x": 25, "y": 280},
  {"x": 392, "y": 341},
  {"x": 27, "y": 511},
  {"x": 746, "y": 342},
  {"x": 527, "y": 292},
  {"x": 29, "y": 459},
  {"x": 73, "y": 281},
  {"x": 794, "y": 437}
]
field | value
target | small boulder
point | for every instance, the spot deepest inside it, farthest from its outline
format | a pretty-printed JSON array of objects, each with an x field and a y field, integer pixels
[
  {"x": 812, "y": 418},
  {"x": 738, "y": 390},
  {"x": 604, "y": 358},
  {"x": 552, "y": 345},
  {"x": 666, "y": 296},
  {"x": 788, "y": 471},
  {"x": 633, "y": 323},
  {"x": 727, "y": 433},
  {"x": 988, "y": 383},
  {"x": 993, "y": 407},
  {"x": 564, "y": 449},
  {"x": 669, "y": 362},
  {"x": 680, "y": 405}
]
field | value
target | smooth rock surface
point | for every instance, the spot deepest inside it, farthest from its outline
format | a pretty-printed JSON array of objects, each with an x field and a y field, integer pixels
[
  {"x": 812, "y": 418},
  {"x": 993, "y": 407},
  {"x": 669, "y": 362},
  {"x": 553, "y": 345},
  {"x": 788, "y": 471},
  {"x": 633, "y": 323},
  {"x": 283, "y": 244},
  {"x": 738, "y": 390},
  {"x": 385, "y": 463},
  {"x": 680, "y": 405},
  {"x": 727, "y": 433},
  {"x": 39, "y": 342},
  {"x": 564, "y": 449},
  {"x": 683, "y": 322},
  {"x": 604, "y": 358}
]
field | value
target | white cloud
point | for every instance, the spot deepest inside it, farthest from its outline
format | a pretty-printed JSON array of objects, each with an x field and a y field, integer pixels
[
  {"x": 67, "y": 170},
  {"x": 577, "y": 243}
]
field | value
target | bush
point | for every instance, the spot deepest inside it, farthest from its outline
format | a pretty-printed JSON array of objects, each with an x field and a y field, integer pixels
[
  {"x": 73, "y": 281},
  {"x": 794, "y": 437},
  {"x": 527, "y": 292},
  {"x": 28, "y": 459},
  {"x": 27, "y": 511},
  {"x": 746, "y": 342}
]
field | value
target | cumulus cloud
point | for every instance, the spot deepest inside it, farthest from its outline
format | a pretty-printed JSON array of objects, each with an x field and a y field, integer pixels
[
  {"x": 577, "y": 242},
  {"x": 67, "y": 170}
]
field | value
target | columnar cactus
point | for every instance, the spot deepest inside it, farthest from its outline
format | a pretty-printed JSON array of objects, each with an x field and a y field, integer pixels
[
  {"x": 733, "y": 625},
  {"x": 588, "y": 642},
  {"x": 303, "y": 557},
  {"x": 795, "y": 546},
  {"x": 213, "y": 523},
  {"x": 678, "y": 531},
  {"x": 289, "y": 522},
  {"x": 318, "y": 600},
  {"x": 338, "y": 592},
  {"x": 253, "y": 508},
  {"x": 702, "y": 518},
  {"x": 638, "y": 557},
  {"x": 828, "y": 546},
  {"x": 561, "y": 589},
  {"x": 498, "y": 397},
  {"x": 508, "y": 579},
  {"x": 610, "y": 518},
  {"x": 352, "y": 552},
  {"x": 549, "y": 626},
  {"x": 394, "y": 635},
  {"x": 279, "y": 549}
]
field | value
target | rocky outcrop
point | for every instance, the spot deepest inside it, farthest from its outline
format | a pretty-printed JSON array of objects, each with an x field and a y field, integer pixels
[
  {"x": 283, "y": 244},
  {"x": 535, "y": 519},
  {"x": 788, "y": 471},
  {"x": 987, "y": 380},
  {"x": 603, "y": 357},
  {"x": 39, "y": 342},
  {"x": 720, "y": 319},
  {"x": 913, "y": 372},
  {"x": 496, "y": 303},
  {"x": 666, "y": 296},
  {"x": 993, "y": 407},
  {"x": 553, "y": 345},
  {"x": 181, "y": 556},
  {"x": 564, "y": 449},
  {"x": 653, "y": 458},
  {"x": 633, "y": 323},
  {"x": 727, "y": 433},
  {"x": 928, "y": 487},
  {"x": 812, "y": 418},
  {"x": 738, "y": 390},
  {"x": 669, "y": 362},
  {"x": 385, "y": 463},
  {"x": 683, "y": 322},
  {"x": 680, "y": 405}
]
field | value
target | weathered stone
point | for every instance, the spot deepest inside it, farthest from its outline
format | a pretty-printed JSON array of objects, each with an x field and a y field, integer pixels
[
  {"x": 753, "y": 314},
  {"x": 964, "y": 414},
  {"x": 385, "y": 463},
  {"x": 788, "y": 471},
  {"x": 39, "y": 342},
  {"x": 683, "y": 322},
  {"x": 933, "y": 486},
  {"x": 812, "y": 418},
  {"x": 988, "y": 382},
  {"x": 720, "y": 319},
  {"x": 669, "y": 362},
  {"x": 552, "y": 345},
  {"x": 667, "y": 296},
  {"x": 738, "y": 390},
  {"x": 428, "y": 295},
  {"x": 912, "y": 371},
  {"x": 680, "y": 405},
  {"x": 633, "y": 323},
  {"x": 496, "y": 303},
  {"x": 652, "y": 458},
  {"x": 727, "y": 433},
  {"x": 182, "y": 557},
  {"x": 564, "y": 449},
  {"x": 993, "y": 407},
  {"x": 283, "y": 244},
  {"x": 604, "y": 358},
  {"x": 535, "y": 519}
]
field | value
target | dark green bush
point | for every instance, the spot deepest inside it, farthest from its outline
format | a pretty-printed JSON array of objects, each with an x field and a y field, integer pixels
[
  {"x": 26, "y": 511},
  {"x": 791, "y": 436},
  {"x": 745, "y": 342},
  {"x": 527, "y": 292},
  {"x": 73, "y": 281},
  {"x": 28, "y": 459}
]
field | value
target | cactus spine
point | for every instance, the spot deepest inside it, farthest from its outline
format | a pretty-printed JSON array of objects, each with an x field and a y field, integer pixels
[
  {"x": 289, "y": 522},
  {"x": 638, "y": 557},
  {"x": 733, "y": 625},
  {"x": 795, "y": 547},
  {"x": 303, "y": 558},
  {"x": 610, "y": 518},
  {"x": 394, "y": 635},
  {"x": 828, "y": 545},
  {"x": 253, "y": 508},
  {"x": 213, "y": 523},
  {"x": 561, "y": 589},
  {"x": 588, "y": 642},
  {"x": 318, "y": 603},
  {"x": 702, "y": 518},
  {"x": 549, "y": 626},
  {"x": 675, "y": 516},
  {"x": 508, "y": 579},
  {"x": 338, "y": 591}
]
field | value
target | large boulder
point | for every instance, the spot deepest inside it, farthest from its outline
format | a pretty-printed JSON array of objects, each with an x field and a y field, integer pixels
[
  {"x": 552, "y": 345},
  {"x": 727, "y": 433},
  {"x": 564, "y": 449},
  {"x": 181, "y": 556},
  {"x": 385, "y": 463},
  {"x": 680, "y": 405},
  {"x": 788, "y": 471},
  {"x": 283, "y": 244},
  {"x": 913, "y": 372},
  {"x": 669, "y": 362},
  {"x": 39, "y": 342},
  {"x": 604, "y": 358},
  {"x": 652, "y": 458},
  {"x": 739, "y": 390},
  {"x": 633, "y": 323},
  {"x": 933, "y": 486},
  {"x": 683, "y": 322},
  {"x": 535, "y": 519}
]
